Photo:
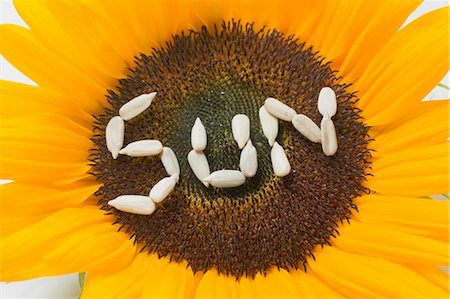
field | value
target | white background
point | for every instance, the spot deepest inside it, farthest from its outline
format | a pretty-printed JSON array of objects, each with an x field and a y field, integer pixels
[{"x": 67, "y": 286}]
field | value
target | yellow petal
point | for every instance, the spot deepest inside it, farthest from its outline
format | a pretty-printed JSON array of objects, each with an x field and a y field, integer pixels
[
  {"x": 125, "y": 283},
  {"x": 146, "y": 277},
  {"x": 52, "y": 152},
  {"x": 47, "y": 119},
  {"x": 277, "y": 284},
  {"x": 417, "y": 216},
  {"x": 312, "y": 287},
  {"x": 23, "y": 205},
  {"x": 358, "y": 276},
  {"x": 386, "y": 165},
  {"x": 215, "y": 286},
  {"x": 389, "y": 244},
  {"x": 288, "y": 16},
  {"x": 334, "y": 34},
  {"x": 20, "y": 47},
  {"x": 55, "y": 174},
  {"x": 381, "y": 26},
  {"x": 415, "y": 186},
  {"x": 414, "y": 172},
  {"x": 435, "y": 275},
  {"x": 26, "y": 100},
  {"x": 71, "y": 240},
  {"x": 425, "y": 126},
  {"x": 406, "y": 69},
  {"x": 66, "y": 30},
  {"x": 245, "y": 290},
  {"x": 114, "y": 22},
  {"x": 125, "y": 26},
  {"x": 176, "y": 281}
]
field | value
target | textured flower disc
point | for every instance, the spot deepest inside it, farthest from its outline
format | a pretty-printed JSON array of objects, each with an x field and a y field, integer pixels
[{"x": 268, "y": 221}]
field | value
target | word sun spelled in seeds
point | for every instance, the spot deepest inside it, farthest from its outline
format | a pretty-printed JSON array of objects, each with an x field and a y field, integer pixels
[{"x": 269, "y": 114}]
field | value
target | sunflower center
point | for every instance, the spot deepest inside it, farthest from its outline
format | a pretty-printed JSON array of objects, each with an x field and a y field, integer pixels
[
  {"x": 268, "y": 221},
  {"x": 215, "y": 106}
]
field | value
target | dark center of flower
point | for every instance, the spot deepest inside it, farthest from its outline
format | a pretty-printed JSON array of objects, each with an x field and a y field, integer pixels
[{"x": 268, "y": 221}]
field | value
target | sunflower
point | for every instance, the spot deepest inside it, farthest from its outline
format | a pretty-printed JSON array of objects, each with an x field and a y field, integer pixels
[{"x": 357, "y": 224}]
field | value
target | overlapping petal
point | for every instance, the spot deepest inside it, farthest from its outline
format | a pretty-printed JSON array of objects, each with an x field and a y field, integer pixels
[
  {"x": 389, "y": 244},
  {"x": 436, "y": 275},
  {"x": 147, "y": 276},
  {"x": 425, "y": 125},
  {"x": 21, "y": 47},
  {"x": 414, "y": 172},
  {"x": 360, "y": 276},
  {"x": 44, "y": 149},
  {"x": 405, "y": 70},
  {"x": 416, "y": 216},
  {"x": 70, "y": 240},
  {"x": 21, "y": 100},
  {"x": 24, "y": 205}
]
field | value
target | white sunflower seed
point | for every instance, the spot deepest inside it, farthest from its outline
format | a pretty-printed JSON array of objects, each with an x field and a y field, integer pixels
[
  {"x": 170, "y": 161},
  {"x": 226, "y": 178},
  {"x": 329, "y": 139},
  {"x": 279, "y": 110},
  {"x": 163, "y": 188},
  {"x": 240, "y": 124},
  {"x": 142, "y": 148},
  {"x": 198, "y": 136},
  {"x": 307, "y": 127},
  {"x": 136, "y": 106},
  {"x": 115, "y": 130},
  {"x": 327, "y": 102},
  {"x": 199, "y": 165},
  {"x": 280, "y": 162},
  {"x": 269, "y": 124},
  {"x": 249, "y": 160},
  {"x": 135, "y": 204}
]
